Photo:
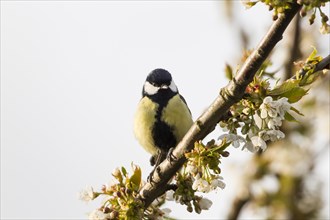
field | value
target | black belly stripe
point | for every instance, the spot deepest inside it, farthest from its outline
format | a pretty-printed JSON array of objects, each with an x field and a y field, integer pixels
[
  {"x": 162, "y": 133},
  {"x": 163, "y": 136}
]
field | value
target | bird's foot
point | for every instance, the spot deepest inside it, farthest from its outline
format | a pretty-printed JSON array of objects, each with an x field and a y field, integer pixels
[
  {"x": 150, "y": 177},
  {"x": 170, "y": 157}
]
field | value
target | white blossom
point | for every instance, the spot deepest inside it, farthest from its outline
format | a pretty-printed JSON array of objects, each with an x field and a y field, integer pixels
[
  {"x": 283, "y": 106},
  {"x": 87, "y": 194},
  {"x": 255, "y": 144},
  {"x": 204, "y": 186},
  {"x": 205, "y": 203},
  {"x": 249, "y": 146},
  {"x": 272, "y": 123},
  {"x": 268, "y": 108},
  {"x": 271, "y": 113},
  {"x": 169, "y": 195},
  {"x": 325, "y": 29},
  {"x": 191, "y": 168},
  {"x": 217, "y": 182},
  {"x": 235, "y": 139},
  {"x": 258, "y": 142},
  {"x": 257, "y": 121},
  {"x": 253, "y": 131},
  {"x": 272, "y": 135},
  {"x": 274, "y": 110},
  {"x": 201, "y": 185},
  {"x": 98, "y": 215}
]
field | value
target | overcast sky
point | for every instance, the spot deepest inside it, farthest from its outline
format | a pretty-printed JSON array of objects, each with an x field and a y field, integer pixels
[{"x": 71, "y": 77}]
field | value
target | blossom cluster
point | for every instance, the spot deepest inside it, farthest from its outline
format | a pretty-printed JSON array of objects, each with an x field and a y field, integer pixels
[
  {"x": 267, "y": 119},
  {"x": 256, "y": 119},
  {"x": 200, "y": 203},
  {"x": 261, "y": 126},
  {"x": 200, "y": 174},
  {"x": 203, "y": 165},
  {"x": 185, "y": 194},
  {"x": 121, "y": 198}
]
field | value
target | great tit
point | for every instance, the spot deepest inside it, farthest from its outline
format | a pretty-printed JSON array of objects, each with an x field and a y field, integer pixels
[{"x": 162, "y": 117}]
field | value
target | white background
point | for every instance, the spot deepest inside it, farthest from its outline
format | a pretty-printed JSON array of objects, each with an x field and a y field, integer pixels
[{"x": 71, "y": 77}]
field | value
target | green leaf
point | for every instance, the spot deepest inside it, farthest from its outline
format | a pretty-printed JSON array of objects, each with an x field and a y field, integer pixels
[
  {"x": 229, "y": 72},
  {"x": 296, "y": 111},
  {"x": 310, "y": 78},
  {"x": 312, "y": 55},
  {"x": 295, "y": 94},
  {"x": 135, "y": 179},
  {"x": 285, "y": 87},
  {"x": 123, "y": 170},
  {"x": 313, "y": 58},
  {"x": 249, "y": 4},
  {"x": 289, "y": 117}
]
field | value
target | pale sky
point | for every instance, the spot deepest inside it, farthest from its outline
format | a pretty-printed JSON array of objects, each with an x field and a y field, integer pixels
[{"x": 71, "y": 77}]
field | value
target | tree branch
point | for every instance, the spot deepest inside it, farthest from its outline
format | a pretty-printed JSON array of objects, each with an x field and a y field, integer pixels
[
  {"x": 228, "y": 96},
  {"x": 323, "y": 64}
]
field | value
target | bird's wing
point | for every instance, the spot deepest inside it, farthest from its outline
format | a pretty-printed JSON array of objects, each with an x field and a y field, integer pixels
[{"x": 181, "y": 97}]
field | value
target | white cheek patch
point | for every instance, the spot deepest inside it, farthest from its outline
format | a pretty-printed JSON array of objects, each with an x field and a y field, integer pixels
[
  {"x": 150, "y": 89},
  {"x": 173, "y": 87}
]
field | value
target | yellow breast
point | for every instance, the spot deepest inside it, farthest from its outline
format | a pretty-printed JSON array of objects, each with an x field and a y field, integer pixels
[
  {"x": 176, "y": 114},
  {"x": 143, "y": 121}
]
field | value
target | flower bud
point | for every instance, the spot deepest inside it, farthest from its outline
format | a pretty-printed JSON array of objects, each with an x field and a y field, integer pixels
[
  {"x": 114, "y": 215},
  {"x": 275, "y": 17},
  {"x": 117, "y": 174},
  {"x": 303, "y": 12},
  {"x": 190, "y": 208},
  {"x": 324, "y": 18},
  {"x": 225, "y": 154},
  {"x": 107, "y": 210},
  {"x": 117, "y": 194},
  {"x": 311, "y": 19}
]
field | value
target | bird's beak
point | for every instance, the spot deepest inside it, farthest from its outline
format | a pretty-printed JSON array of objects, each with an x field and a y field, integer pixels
[{"x": 164, "y": 87}]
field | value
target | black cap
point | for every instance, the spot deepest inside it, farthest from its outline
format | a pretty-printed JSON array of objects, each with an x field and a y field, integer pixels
[{"x": 159, "y": 77}]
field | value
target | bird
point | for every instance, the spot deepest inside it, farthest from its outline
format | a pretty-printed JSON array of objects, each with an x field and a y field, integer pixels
[{"x": 162, "y": 117}]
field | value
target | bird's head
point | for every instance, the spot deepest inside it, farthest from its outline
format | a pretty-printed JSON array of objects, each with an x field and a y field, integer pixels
[{"x": 159, "y": 79}]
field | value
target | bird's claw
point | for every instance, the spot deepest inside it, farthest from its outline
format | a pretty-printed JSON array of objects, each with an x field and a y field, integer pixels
[
  {"x": 170, "y": 157},
  {"x": 150, "y": 177}
]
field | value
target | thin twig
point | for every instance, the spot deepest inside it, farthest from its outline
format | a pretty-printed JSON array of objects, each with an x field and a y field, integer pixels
[
  {"x": 228, "y": 96},
  {"x": 323, "y": 64}
]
